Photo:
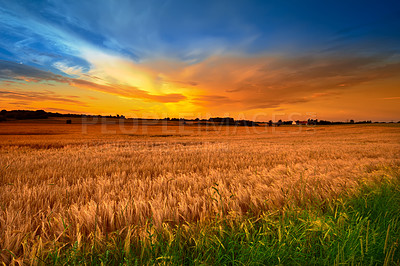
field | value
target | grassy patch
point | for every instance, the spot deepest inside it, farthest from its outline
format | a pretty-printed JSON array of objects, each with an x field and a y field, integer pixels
[{"x": 364, "y": 229}]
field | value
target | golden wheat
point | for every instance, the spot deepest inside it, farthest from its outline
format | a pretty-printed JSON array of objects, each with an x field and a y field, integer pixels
[{"x": 68, "y": 184}]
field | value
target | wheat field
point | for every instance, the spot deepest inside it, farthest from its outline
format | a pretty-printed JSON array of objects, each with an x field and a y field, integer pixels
[{"x": 63, "y": 184}]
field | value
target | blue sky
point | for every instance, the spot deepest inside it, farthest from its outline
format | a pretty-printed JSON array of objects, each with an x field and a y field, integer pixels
[
  {"x": 163, "y": 39},
  {"x": 193, "y": 30}
]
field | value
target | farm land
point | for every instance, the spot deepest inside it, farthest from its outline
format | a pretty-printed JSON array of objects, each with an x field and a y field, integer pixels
[{"x": 150, "y": 193}]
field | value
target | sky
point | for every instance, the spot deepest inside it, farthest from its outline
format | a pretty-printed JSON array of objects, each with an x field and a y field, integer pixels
[{"x": 258, "y": 60}]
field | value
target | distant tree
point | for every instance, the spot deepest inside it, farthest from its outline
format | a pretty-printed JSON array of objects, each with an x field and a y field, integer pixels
[
  {"x": 351, "y": 121},
  {"x": 270, "y": 123},
  {"x": 22, "y": 116},
  {"x": 324, "y": 122},
  {"x": 311, "y": 122}
]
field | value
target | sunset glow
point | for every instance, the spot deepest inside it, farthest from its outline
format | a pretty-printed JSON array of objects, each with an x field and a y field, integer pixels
[{"x": 326, "y": 59}]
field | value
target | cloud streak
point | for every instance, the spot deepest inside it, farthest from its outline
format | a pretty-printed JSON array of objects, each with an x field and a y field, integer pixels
[
  {"x": 235, "y": 82},
  {"x": 20, "y": 72},
  {"x": 269, "y": 81},
  {"x": 34, "y": 96}
]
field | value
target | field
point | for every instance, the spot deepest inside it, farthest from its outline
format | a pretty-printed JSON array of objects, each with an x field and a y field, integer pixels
[{"x": 197, "y": 194}]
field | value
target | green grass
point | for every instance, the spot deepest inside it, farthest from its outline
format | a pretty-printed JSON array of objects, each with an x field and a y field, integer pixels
[{"x": 363, "y": 229}]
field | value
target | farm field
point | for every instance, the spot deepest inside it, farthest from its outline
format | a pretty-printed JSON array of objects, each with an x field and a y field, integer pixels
[{"x": 192, "y": 194}]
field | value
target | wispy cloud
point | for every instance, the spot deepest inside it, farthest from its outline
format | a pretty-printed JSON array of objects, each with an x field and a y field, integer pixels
[
  {"x": 61, "y": 110},
  {"x": 20, "y": 72},
  {"x": 34, "y": 96},
  {"x": 126, "y": 91},
  {"x": 69, "y": 70},
  {"x": 243, "y": 83},
  {"x": 269, "y": 81}
]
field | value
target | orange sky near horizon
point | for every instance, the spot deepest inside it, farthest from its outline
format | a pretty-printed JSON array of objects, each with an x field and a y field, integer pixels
[{"x": 257, "y": 88}]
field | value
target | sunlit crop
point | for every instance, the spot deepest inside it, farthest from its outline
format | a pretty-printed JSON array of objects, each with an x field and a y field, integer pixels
[{"x": 61, "y": 186}]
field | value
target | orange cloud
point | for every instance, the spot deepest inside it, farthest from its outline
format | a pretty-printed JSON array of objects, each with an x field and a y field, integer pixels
[
  {"x": 234, "y": 83},
  {"x": 30, "y": 74},
  {"x": 34, "y": 96},
  {"x": 127, "y": 91},
  {"x": 264, "y": 82}
]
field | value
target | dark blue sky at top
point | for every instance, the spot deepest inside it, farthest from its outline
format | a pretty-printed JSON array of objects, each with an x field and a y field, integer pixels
[{"x": 40, "y": 33}]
